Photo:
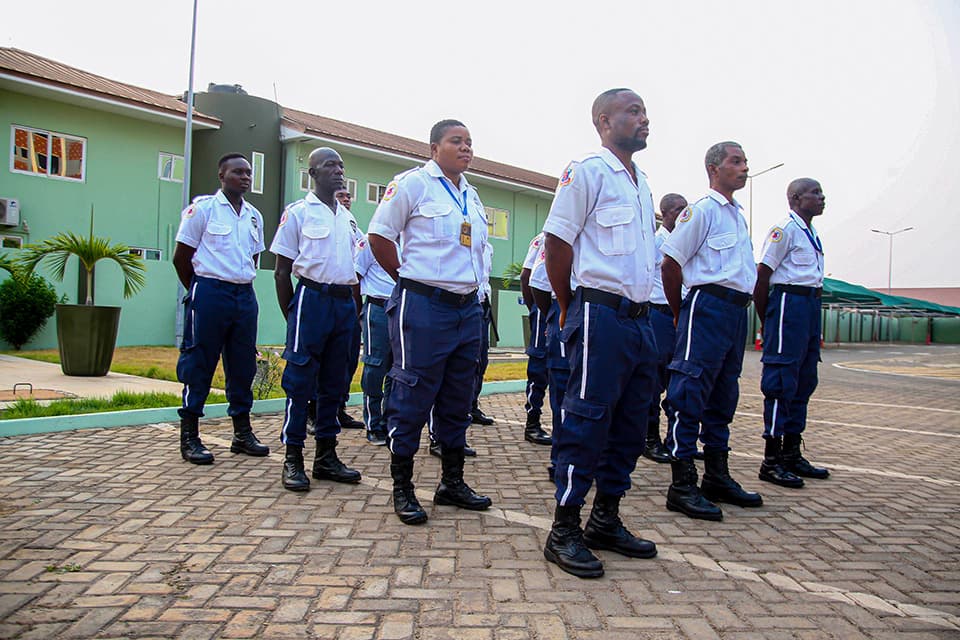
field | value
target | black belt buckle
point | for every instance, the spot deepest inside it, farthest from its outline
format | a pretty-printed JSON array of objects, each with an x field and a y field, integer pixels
[{"x": 638, "y": 309}]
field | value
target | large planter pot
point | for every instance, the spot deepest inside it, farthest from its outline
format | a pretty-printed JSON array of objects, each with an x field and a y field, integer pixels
[{"x": 86, "y": 336}]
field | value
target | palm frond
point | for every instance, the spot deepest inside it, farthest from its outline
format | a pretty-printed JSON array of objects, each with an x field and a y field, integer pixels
[
  {"x": 8, "y": 264},
  {"x": 511, "y": 273}
]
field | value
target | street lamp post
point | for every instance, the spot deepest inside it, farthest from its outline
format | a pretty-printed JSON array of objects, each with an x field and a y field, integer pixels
[
  {"x": 187, "y": 162},
  {"x": 890, "y": 235},
  {"x": 750, "y": 179}
]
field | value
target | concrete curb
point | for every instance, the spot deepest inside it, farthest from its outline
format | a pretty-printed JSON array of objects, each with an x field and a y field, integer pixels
[{"x": 27, "y": 426}]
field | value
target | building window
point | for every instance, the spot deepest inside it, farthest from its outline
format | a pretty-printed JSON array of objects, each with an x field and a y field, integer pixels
[
  {"x": 11, "y": 242},
  {"x": 352, "y": 188},
  {"x": 304, "y": 180},
  {"x": 498, "y": 223},
  {"x": 171, "y": 167},
  {"x": 375, "y": 192},
  {"x": 47, "y": 154},
  {"x": 146, "y": 254},
  {"x": 257, "y": 181}
]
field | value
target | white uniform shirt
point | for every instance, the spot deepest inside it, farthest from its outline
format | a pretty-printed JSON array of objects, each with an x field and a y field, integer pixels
[
  {"x": 374, "y": 281},
  {"x": 538, "y": 273},
  {"x": 609, "y": 222},
  {"x": 712, "y": 244},
  {"x": 657, "y": 296},
  {"x": 417, "y": 209},
  {"x": 321, "y": 243},
  {"x": 794, "y": 257},
  {"x": 533, "y": 250},
  {"x": 225, "y": 242},
  {"x": 485, "y": 290}
]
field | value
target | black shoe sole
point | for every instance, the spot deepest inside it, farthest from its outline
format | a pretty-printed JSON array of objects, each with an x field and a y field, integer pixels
[
  {"x": 663, "y": 460},
  {"x": 534, "y": 440},
  {"x": 713, "y": 497},
  {"x": 300, "y": 488},
  {"x": 413, "y": 520},
  {"x": 200, "y": 461},
  {"x": 580, "y": 573},
  {"x": 255, "y": 454},
  {"x": 440, "y": 500},
  {"x": 812, "y": 476},
  {"x": 780, "y": 483},
  {"x": 696, "y": 515},
  {"x": 602, "y": 546},
  {"x": 319, "y": 476}
]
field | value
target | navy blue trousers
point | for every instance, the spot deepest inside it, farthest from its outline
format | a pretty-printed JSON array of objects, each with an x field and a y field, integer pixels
[
  {"x": 436, "y": 348},
  {"x": 791, "y": 352},
  {"x": 612, "y": 360},
  {"x": 666, "y": 335},
  {"x": 320, "y": 329},
  {"x": 558, "y": 374},
  {"x": 537, "y": 378},
  {"x": 704, "y": 375},
  {"x": 220, "y": 319},
  {"x": 377, "y": 360},
  {"x": 353, "y": 361},
  {"x": 484, "y": 359}
]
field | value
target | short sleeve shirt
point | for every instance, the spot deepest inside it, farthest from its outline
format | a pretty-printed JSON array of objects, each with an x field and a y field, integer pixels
[
  {"x": 418, "y": 210},
  {"x": 320, "y": 242},
  {"x": 485, "y": 289},
  {"x": 609, "y": 221},
  {"x": 533, "y": 250},
  {"x": 794, "y": 256},
  {"x": 226, "y": 242},
  {"x": 538, "y": 272},
  {"x": 374, "y": 281},
  {"x": 712, "y": 244}
]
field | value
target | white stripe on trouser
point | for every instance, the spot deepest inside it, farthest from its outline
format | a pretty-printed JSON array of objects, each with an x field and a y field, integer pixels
[
  {"x": 566, "y": 494},
  {"x": 536, "y": 337},
  {"x": 586, "y": 348},
  {"x": 783, "y": 303},
  {"x": 193, "y": 335},
  {"x": 286, "y": 420},
  {"x": 673, "y": 433},
  {"x": 693, "y": 303},
  {"x": 296, "y": 333},
  {"x": 773, "y": 418},
  {"x": 403, "y": 348},
  {"x": 530, "y": 395},
  {"x": 563, "y": 352}
]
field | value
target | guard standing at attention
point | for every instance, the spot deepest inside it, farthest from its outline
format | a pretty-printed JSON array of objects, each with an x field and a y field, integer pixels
[
  {"x": 477, "y": 416},
  {"x": 558, "y": 367},
  {"x": 434, "y": 313},
  {"x": 537, "y": 377},
  {"x": 787, "y": 296},
  {"x": 661, "y": 318},
  {"x": 600, "y": 230},
  {"x": 218, "y": 243},
  {"x": 710, "y": 253},
  {"x": 315, "y": 241}
]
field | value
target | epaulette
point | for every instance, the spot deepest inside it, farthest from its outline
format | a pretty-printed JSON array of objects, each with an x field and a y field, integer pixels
[
  {"x": 400, "y": 176},
  {"x": 199, "y": 199}
]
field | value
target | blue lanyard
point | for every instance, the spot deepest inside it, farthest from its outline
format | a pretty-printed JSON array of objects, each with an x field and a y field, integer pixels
[
  {"x": 463, "y": 206},
  {"x": 817, "y": 245}
]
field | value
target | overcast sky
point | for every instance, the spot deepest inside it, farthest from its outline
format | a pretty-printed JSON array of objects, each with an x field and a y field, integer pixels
[{"x": 862, "y": 95}]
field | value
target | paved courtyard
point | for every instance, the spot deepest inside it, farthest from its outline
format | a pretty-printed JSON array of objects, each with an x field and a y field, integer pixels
[{"x": 106, "y": 533}]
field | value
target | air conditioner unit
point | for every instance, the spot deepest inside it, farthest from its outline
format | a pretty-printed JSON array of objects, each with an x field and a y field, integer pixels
[{"x": 10, "y": 212}]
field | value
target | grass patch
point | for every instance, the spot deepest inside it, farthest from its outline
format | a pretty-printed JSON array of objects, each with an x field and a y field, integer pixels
[
  {"x": 67, "y": 568},
  {"x": 120, "y": 401}
]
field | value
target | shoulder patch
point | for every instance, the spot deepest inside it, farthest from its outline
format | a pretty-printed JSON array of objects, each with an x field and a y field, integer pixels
[
  {"x": 685, "y": 215},
  {"x": 190, "y": 211},
  {"x": 776, "y": 234},
  {"x": 567, "y": 176},
  {"x": 391, "y": 191},
  {"x": 283, "y": 219}
]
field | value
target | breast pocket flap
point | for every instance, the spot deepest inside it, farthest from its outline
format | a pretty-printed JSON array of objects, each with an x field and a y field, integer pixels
[
  {"x": 615, "y": 216},
  {"x": 316, "y": 231},
  {"x": 722, "y": 241}
]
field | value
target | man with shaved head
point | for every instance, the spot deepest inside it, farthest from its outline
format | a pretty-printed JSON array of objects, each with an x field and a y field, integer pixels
[
  {"x": 600, "y": 256},
  {"x": 787, "y": 295},
  {"x": 316, "y": 242}
]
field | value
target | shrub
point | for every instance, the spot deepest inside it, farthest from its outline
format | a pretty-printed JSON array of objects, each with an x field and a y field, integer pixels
[{"x": 26, "y": 303}]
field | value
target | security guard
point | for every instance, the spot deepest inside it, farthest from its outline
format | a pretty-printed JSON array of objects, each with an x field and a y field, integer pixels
[
  {"x": 434, "y": 313},
  {"x": 315, "y": 241},
  {"x": 710, "y": 253},
  {"x": 558, "y": 367},
  {"x": 792, "y": 263},
  {"x": 537, "y": 376},
  {"x": 218, "y": 243},
  {"x": 376, "y": 287},
  {"x": 661, "y": 317},
  {"x": 600, "y": 231},
  {"x": 477, "y": 416}
]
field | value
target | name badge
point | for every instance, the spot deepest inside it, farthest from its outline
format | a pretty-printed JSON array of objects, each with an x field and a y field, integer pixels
[{"x": 466, "y": 238}]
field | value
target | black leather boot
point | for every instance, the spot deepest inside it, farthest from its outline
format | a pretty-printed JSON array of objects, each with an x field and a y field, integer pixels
[
  {"x": 794, "y": 461},
  {"x": 452, "y": 489},
  {"x": 477, "y": 416},
  {"x": 565, "y": 547},
  {"x": 243, "y": 439},
  {"x": 191, "y": 449},
  {"x": 346, "y": 420},
  {"x": 311, "y": 416},
  {"x": 772, "y": 469},
  {"x": 605, "y": 530},
  {"x": 684, "y": 494},
  {"x": 405, "y": 503},
  {"x": 327, "y": 466},
  {"x": 434, "y": 448},
  {"x": 718, "y": 486},
  {"x": 534, "y": 432},
  {"x": 294, "y": 477},
  {"x": 654, "y": 449}
]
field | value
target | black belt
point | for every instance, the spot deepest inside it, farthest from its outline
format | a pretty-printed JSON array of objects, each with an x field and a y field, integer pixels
[
  {"x": 738, "y": 298},
  {"x": 376, "y": 301},
  {"x": 444, "y": 296},
  {"x": 816, "y": 292},
  {"x": 224, "y": 284},
  {"x": 662, "y": 308},
  {"x": 612, "y": 300},
  {"x": 335, "y": 290}
]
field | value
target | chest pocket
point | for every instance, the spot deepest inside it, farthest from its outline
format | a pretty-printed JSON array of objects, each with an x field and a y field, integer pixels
[
  {"x": 219, "y": 234},
  {"x": 317, "y": 241},
  {"x": 722, "y": 250},
  {"x": 616, "y": 235},
  {"x": 442, "y": 219},
  {"x": 804, "y": 258}
]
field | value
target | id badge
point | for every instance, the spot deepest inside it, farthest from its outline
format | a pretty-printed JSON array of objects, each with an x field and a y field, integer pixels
[{"x": 466, "y": 239}]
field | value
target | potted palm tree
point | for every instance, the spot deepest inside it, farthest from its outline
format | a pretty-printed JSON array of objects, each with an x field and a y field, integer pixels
[{"x": 86, "y": 333}]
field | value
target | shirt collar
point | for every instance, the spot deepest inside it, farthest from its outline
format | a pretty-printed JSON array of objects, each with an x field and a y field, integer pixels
[
  {"x": 312, "y": 198},
  {"x": 434, "y": 170},
  {"x": 614, "y": 162},
  {"x": 800, "y": 223},
  {"x": 222, "y": 199},
  {"x": 721, "y": 200}
]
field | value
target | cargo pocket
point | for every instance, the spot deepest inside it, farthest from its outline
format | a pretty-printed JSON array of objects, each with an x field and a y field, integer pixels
[
  {"x": 372, "y": 361},
  {"x": 297, "y": 358},
  {"x": 589, "y": 413},
  {"x": 779, "y": 377}
]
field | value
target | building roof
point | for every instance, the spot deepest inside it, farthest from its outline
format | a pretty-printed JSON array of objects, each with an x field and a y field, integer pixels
[
  {"x": 322, "y": 127},
  {"x": 949, "y": 296},
  {"x": 28, "y": 66}
]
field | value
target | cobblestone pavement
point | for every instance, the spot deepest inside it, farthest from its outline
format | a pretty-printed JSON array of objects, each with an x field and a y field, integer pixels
[{"x": 107, "y": 533}]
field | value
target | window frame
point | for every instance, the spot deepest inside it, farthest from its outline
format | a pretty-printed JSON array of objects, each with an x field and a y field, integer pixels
[
  {"x": 174, "y": 157},
  {"x": 254, "y": 188},
  {"x": 305, "y": 173},
  {"x": 18, "y": 240},
  {"x": 144, "y": 251},
  {"x": 381, "y": 190},
  {"x": 492, "y": 223},
  {"x": 50, "y": 135}
]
